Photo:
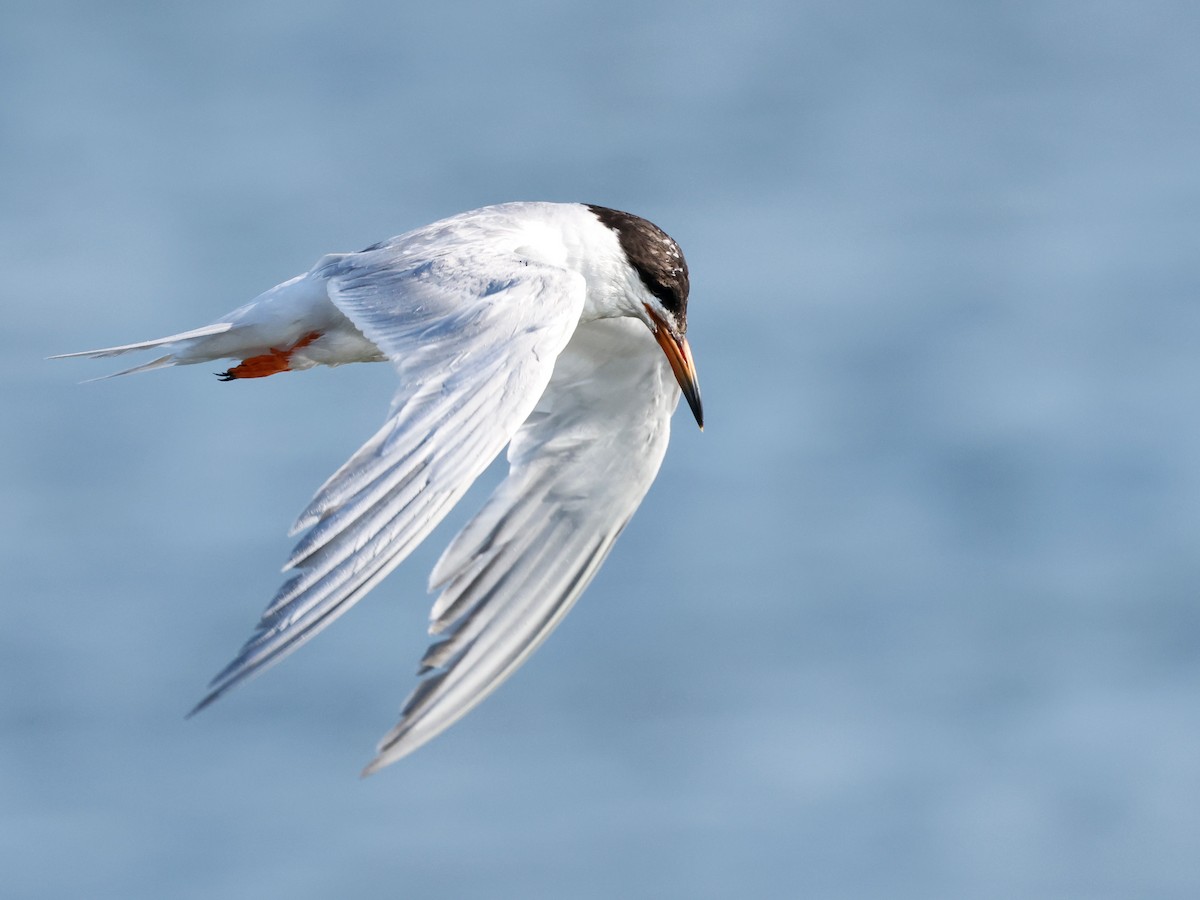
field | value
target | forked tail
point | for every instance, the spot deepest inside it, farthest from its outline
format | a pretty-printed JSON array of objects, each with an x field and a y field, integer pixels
[{"x": 191, "y": 345}]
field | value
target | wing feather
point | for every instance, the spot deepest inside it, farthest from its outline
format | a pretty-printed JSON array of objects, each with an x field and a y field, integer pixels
[
  {"x": 473, "y": 355},
  {"x": 579, "y": 467}
]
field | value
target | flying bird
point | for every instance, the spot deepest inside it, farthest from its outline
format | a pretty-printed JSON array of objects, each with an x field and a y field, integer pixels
[{"x": 557, "y": 329}]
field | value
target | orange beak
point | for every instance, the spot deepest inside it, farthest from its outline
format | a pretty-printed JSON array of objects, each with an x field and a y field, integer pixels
[{"x": 679, "y": 355}]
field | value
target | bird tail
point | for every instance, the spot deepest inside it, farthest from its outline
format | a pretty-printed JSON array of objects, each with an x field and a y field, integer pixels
[{"x": 187, "y": 347}]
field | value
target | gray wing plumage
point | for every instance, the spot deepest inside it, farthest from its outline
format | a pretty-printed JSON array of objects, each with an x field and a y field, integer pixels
[
  {"x": 579, "y": 467},
  {"x": 474, "y": 354}
]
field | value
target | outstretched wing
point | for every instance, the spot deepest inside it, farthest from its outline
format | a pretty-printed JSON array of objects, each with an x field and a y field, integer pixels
[
  {"x": 474, "y": 335},
  {"x": 579, "y": 467}
]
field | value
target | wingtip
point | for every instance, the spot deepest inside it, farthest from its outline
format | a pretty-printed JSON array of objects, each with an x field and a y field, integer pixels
[
  {"x": 203, "y": 704},
  {"x": 393, "y": 747},
  {"x": 386, "y": 753},
  {"x": 306, "y": 520},
  {"x": 216, "y": 688}
]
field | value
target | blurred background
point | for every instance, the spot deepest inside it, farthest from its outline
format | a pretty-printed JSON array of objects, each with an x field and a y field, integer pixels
[{"x": 916, "y": 616}]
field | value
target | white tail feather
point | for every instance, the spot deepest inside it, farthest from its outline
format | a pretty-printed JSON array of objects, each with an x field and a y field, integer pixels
[
  {"x": 160, "y": 363},
  {"x": 206, "y": 331}
]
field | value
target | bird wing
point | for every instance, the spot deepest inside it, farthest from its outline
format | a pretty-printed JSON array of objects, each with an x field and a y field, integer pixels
[
  {"x": 474, "y": 335},
  {"x": 579, "y": 467}
]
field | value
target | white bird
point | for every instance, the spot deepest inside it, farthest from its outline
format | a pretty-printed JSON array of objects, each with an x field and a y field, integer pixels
[{"x": 527, "y": 324}]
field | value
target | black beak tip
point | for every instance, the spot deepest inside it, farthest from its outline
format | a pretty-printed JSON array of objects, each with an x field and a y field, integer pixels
[{"x": 697, "y": 408}]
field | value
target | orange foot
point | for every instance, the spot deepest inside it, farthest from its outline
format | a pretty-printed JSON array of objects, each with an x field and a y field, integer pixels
[{"x": 270, "y": 363}]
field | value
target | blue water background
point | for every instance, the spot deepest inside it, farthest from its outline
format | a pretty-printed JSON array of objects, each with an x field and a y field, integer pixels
[{"x": 918, "y": 614}]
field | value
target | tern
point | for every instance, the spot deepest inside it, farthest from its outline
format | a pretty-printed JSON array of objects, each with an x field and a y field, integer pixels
[{"x": 555, "y": 329}]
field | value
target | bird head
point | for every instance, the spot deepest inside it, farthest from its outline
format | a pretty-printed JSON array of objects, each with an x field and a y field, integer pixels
[{"x": 662, "y": 293}]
